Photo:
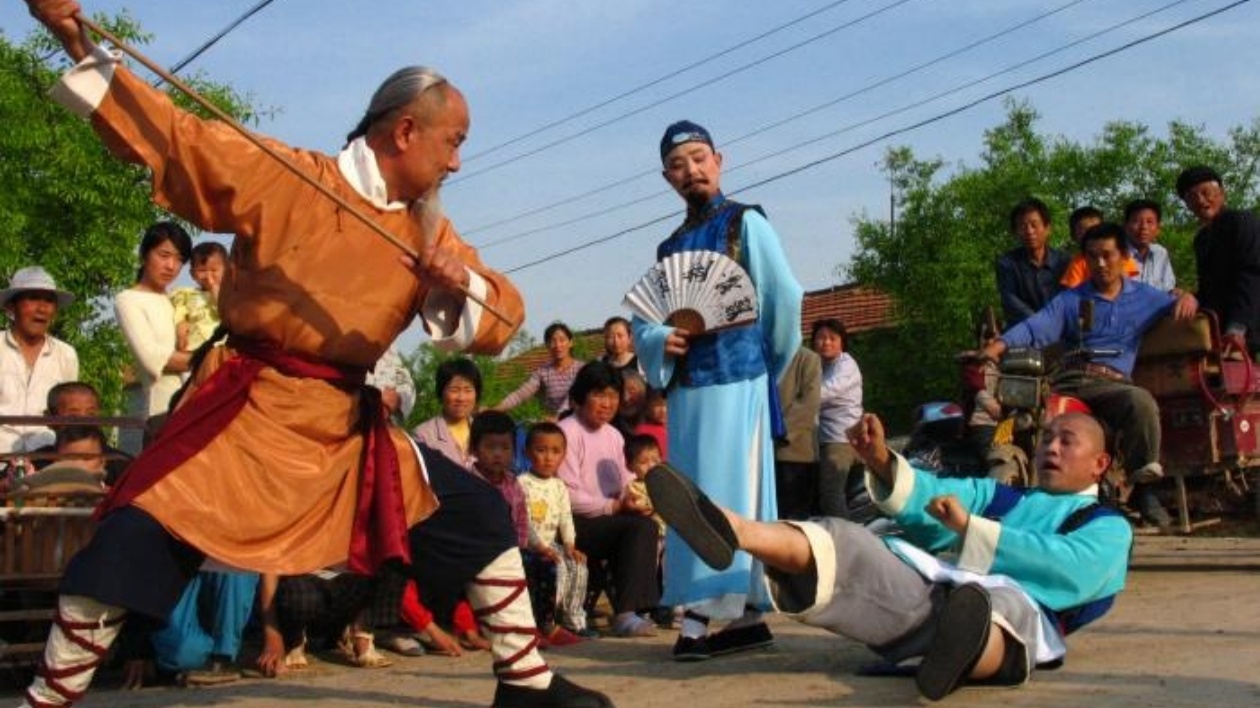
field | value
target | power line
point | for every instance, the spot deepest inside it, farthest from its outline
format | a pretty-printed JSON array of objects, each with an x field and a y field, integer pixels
[
  {"x": 961, "y": 87},
  {"x": 214, "y": 40},
  {"x": 641, "y": 87},
  {"x": 898, "y": 131},
  {"x": 705, "y": 84},
  {"x": 853, "y": 94}
]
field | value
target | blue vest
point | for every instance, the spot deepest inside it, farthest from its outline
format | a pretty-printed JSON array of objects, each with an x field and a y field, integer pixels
[
  {"x": 1071, "y": 619},
  {"x": 731, "y": 355}
]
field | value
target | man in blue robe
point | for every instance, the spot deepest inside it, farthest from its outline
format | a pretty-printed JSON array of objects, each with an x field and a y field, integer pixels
[
  {"x": 983, "y": 581},
  {"x": 721, "y": 387}
]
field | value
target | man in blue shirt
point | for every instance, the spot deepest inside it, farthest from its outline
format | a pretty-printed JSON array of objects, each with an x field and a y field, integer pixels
[
  {"x": 1028, "y": 276},
  {"x": 1123, "y": 310}
]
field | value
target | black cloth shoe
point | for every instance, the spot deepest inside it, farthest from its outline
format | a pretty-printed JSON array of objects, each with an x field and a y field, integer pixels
[
  {"x": 692, "y": 649},
  {"x": 689, "y": 512},
  {"x": 562, "y": 693},
  {"x": 962, "y": 631},
  {"x": 731, "y": 641}
]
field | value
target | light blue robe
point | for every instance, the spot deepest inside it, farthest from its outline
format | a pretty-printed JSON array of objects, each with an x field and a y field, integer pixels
[
  {"x": 720, "y": 435},
  {"x": 1023, "y": 549}
]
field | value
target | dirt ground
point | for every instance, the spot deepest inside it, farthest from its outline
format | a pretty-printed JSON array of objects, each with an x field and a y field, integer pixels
[{"x": 1185, "y": 633}]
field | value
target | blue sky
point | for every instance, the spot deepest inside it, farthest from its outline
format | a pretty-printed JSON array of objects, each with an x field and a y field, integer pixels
[{"x": 526, "y": 63}]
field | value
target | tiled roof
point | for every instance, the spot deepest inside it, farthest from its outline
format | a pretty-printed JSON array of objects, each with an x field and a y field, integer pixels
[
  {"x": 859, "y": 307},
  {"x": 591, "y": 340}
]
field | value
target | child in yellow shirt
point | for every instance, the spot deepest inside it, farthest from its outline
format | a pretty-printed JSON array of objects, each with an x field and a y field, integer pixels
[{"x": 197, "y": 309}]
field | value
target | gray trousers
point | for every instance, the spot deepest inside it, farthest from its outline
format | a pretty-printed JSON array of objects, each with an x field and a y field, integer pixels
[
  {"x": 860, "y": 589},
  {"x": 1129, "y": 410}
]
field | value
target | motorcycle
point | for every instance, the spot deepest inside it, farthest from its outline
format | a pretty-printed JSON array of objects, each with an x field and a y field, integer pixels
[{"x": 1016, "y": 394}]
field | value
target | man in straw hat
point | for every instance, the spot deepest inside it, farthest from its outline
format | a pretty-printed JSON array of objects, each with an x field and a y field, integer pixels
[
  {"x": 278, "y": 458},
  {"x": 32, "y": 361},
  {"x": 722, "y": 410}
]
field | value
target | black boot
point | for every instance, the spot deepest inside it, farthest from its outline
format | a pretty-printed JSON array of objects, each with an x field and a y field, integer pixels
[{"x": 562, "y": 693}]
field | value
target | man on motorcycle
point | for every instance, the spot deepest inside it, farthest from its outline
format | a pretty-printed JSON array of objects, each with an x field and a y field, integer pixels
[{"x": 1120, "y": 311}]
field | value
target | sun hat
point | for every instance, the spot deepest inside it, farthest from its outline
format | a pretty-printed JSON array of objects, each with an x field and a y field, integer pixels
[{"x": 33, "y": 278}]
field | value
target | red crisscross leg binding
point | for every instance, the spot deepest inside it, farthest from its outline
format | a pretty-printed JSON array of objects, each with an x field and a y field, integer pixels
[
  {"x": 502, "y": 667},
  {"x": 52, "y": 677}
]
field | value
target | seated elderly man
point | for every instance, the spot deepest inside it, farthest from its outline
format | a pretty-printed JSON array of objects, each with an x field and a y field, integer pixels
[
  {"x": 1122, "y": 310},
  {"x": 1032, "y": 566}
]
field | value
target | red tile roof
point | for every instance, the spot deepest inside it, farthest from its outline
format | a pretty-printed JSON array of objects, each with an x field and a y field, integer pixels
[{"x": 859, "y": 307}]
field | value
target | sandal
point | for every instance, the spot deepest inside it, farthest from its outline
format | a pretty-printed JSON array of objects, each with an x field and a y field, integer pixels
[
  {"x": 295, "y": 658},
  {"x": 368, "y": 657}
]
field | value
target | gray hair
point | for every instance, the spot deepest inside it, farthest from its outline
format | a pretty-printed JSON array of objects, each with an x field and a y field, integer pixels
[{"x": 399, "y": 90}]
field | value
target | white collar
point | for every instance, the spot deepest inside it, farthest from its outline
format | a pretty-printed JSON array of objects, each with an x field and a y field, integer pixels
[
  {"x": 44, "y": 350},
  {"x": 357, "y": 163}
]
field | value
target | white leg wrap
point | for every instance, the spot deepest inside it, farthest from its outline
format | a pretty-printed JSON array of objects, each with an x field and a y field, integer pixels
[
  {"x": 78, "y": 642},
  {"x": 499, "y": 597}
]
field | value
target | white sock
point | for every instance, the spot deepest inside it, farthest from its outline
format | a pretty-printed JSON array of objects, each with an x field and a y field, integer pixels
[
  {"x": 693, "y": 628},
  {"x": 500, "y": 600},
  {"x": 78, "y": 641},
  {"x": 749, "y": 618}
]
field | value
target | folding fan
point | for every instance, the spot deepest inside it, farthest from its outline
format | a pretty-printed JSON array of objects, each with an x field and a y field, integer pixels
[{"x": 699, "y": 291}]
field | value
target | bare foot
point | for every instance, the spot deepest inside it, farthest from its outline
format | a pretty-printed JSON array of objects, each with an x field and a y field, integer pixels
[{"x": 473, "y": 641}]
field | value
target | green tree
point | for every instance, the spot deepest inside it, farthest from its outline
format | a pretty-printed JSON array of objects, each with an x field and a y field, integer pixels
[
  {"x": 937, "y": 263},
  {"x": 67, "y": 205}
]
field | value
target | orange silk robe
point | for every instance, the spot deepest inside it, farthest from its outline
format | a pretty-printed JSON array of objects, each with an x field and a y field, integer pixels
[{"x": 275, "y": 492}]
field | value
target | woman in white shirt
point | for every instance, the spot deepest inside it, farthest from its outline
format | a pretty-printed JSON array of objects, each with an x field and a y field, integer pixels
[
  {"x": 147, "y": 318},
  {"x": 840, "y": 409}
]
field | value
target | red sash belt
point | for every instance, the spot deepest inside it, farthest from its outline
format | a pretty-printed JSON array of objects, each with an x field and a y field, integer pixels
[{"x": 380, "y": 520}]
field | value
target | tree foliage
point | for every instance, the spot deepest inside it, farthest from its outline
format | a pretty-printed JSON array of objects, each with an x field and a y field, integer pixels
[
  {"x": 67, "y": 205},
  {"x": 500, "y": 376},
  {"x": 937, "y": 260}
]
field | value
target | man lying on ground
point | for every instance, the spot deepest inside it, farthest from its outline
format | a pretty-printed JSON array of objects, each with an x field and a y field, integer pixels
[{"x": 1031, "y": 567}]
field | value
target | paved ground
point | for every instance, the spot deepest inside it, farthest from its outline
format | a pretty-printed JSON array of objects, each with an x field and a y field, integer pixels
[{"x": 1185, "y": 633}]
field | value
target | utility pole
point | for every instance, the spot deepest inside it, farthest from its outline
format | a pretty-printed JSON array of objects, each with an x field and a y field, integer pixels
[{"x": 892, "y": 208}]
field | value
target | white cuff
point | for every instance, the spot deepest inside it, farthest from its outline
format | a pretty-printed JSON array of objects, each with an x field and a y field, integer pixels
[
  {"x": 980, "y": 544},
  {"x": 454, "y": 328},
  {"x": 823, "y": 549},
  {"x": 83, "y": 88},
  {"x": 892, "y": 501}
]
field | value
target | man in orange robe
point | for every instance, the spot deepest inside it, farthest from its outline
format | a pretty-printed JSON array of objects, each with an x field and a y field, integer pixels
[{"x": 278, "y": 458}]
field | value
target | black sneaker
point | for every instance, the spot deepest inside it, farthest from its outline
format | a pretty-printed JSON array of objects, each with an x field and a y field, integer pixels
[
  {"x": 692, "y": 649},
  {"x": 562, "y": 693},
  {"x": 699, "y": 521},
  {"x": 962, "y": 631},
  {"x": 747, "y": 638}
]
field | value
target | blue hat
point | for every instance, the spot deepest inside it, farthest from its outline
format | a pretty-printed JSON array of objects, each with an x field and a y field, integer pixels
[{"x": 684, "y": 131}]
